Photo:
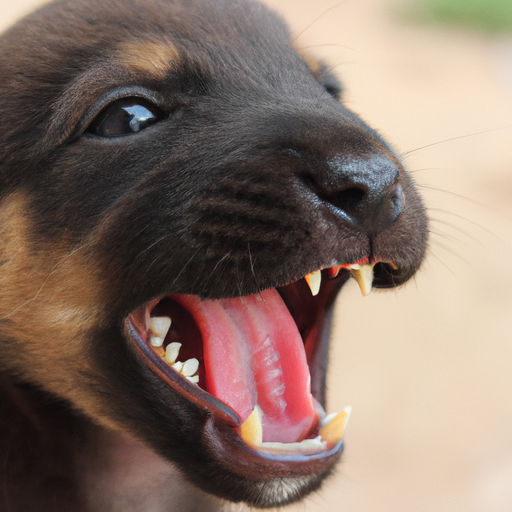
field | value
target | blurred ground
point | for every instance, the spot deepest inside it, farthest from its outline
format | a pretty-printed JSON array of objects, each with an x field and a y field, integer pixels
[{"x": 427, "y": 369}]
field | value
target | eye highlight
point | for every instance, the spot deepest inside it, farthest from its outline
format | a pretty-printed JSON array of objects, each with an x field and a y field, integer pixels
[{"x": 126, "y": 116}]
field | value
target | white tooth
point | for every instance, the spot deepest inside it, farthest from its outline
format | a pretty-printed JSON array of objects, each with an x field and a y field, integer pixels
[
  {"x": 190, "y": 367},
  {"x": 171, "y": 351},
  {"x": 363, "y": 274},
  {"x": 314, "y": 281},
  {"x": 156, "y": 341},
  {"x": 194, "y": 379},
  {"x": 306, "y": 447},
  {"x": 160, "y": 326},
  {"x": 178, "y": 365}
]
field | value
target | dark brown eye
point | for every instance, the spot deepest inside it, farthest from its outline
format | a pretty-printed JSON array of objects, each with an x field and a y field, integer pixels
[{"x": 125, "y": 117}]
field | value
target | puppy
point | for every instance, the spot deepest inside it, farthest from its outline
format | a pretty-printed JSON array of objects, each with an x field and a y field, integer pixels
[{"x": 183, "y": 195}]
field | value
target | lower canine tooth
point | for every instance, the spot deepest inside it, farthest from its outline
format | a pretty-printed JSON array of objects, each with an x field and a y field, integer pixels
[
  {"x": 334, "y": 430},
  {"x": 314, "y": 281},
  {"x": 363, "y": 274},
  {"x": 252, "y": 429}
]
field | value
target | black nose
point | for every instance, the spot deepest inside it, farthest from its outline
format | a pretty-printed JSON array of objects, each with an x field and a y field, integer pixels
[{"x": 364, "y": 191}]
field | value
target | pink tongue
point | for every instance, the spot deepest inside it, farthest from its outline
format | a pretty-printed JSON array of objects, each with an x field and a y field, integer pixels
[{"x": 254, "y": 354}]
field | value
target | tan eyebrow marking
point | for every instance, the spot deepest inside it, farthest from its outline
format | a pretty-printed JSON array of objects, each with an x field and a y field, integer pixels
[{"x": 157, "y": 59}]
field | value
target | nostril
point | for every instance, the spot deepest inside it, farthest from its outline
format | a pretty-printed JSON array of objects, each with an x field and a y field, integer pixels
[{"x": 347, "y": 200}]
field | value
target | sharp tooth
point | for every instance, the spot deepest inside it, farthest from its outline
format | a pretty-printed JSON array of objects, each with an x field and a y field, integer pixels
[
  {"x": 156, "y": 341},
  {"x": 194, "y": 379},
  {"x": 333, "y": 431},
  {"x": 160, "y": 326},
  {"x": 252, "y": 429},
  {"x": 363, "y": 274},
  {"x": 314, "y": 281},
  {"x": 171, "y": 352},
  {"x": 190, "y": 367}
]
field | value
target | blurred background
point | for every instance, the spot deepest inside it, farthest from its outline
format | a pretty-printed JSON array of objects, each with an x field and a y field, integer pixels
[{"x": 428, "y": 368}]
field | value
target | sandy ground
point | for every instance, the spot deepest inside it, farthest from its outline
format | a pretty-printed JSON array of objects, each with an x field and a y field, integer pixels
[{"x": 427, "y": 369}]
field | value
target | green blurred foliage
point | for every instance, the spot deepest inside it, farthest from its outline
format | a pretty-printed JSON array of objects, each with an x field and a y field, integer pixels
[{"x": 489, "y": 15}]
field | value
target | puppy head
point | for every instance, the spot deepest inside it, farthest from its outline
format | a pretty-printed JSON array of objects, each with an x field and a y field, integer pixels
[{"x": 180, "y": 160}]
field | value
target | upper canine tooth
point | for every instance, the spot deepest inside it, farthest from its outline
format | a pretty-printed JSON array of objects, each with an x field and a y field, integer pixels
[
  {"x": 171, "y": 351},
  {"x": 314, "y": 281},
  {"x": 363, "y": 274},
  {"x": 252, "y": 429},
  {"x": 160, "y": 326},
  {"x": 333, "y": 431}
]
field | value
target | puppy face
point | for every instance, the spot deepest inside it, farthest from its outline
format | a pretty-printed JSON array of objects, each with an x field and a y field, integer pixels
[{"x": 179, "y": 160}]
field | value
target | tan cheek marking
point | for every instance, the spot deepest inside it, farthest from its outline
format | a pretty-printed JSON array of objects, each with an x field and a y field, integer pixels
[
  {"x": 51, "y": 298},
  {"x": 156, "y": 59}
]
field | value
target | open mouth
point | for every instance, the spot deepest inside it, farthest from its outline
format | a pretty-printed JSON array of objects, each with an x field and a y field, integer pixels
[{"x": 256, "y": 363}]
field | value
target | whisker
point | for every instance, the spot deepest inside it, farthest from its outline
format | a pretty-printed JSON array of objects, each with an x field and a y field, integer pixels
[
  {"x": 424, "y": 169},
  {"x": 252, "y": 268},
  {"x": 225, "y": 257},
  {"x": 407, "y": 153},
  {"x": 455, "y": 194},
  {"x": 450, "y": 238},
  {"x": 184, "y": 267},
  {"x": 460, "y": 230},
  {"x": 450, "y": 250},
  {"x": 156, "y": 242},
  {"x": 469, "y": 221},
  {"x": 327, "y": 45},
  {"x": 316, "y": 19},
  {"x": 431, "y": 254}
]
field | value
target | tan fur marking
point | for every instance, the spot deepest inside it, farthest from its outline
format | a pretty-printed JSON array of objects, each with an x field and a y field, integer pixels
[
  {"x": 50, "y": 302},
  {"x": 157, "y": 59}
]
